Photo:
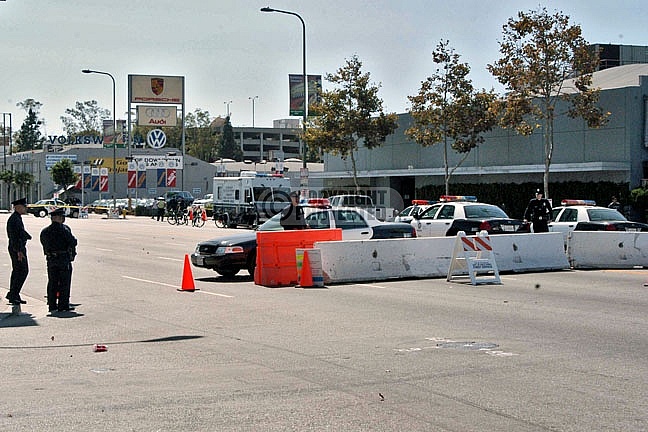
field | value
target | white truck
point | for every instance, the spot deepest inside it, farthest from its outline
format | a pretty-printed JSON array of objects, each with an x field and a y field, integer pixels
[{"x": 249, "y": 199}]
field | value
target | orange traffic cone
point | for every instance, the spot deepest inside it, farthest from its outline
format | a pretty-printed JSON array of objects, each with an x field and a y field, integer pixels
[
  {"x": 187, "y": 277},
  {"x": 306, "y": 279},
  {"x": 203, "y": 215}
]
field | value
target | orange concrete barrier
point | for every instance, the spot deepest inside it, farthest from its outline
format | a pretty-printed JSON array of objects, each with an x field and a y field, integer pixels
[{"x": 276, "y": 263}]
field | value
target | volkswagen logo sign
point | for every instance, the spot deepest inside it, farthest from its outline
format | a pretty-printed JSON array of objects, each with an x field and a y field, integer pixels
[{"x": 156, "y": 138}]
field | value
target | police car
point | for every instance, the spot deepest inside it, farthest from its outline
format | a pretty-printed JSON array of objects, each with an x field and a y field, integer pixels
[
  {"x": 418, "y": 206},
  {"x": 463, "y": 213},
  {"x": 42, "y": 207},
  {"x": 585, "y": 215}
]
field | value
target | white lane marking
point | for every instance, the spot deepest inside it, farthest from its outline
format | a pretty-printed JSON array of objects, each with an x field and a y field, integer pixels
[
  {"x": 174, "y": 286},
  {"x": 372, "y": 286},
  {"x": 215, "y": 294},
  {"x": 104, "y": 250},
  {"x": 171, "y": 259}
]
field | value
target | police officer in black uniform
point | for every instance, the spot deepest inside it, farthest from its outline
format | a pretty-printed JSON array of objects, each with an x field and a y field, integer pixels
[
  {"x": 59, "y": 246},
  {"x": 17, "y": 251},
  {"x": 292, "y": 217},
  {"x": 538, "y": 212}
]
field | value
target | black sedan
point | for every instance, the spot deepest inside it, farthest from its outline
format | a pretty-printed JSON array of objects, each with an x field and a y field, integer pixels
[{"x": 230, "y": 254}]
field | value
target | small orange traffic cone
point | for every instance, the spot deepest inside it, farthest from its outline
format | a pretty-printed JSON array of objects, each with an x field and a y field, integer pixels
[
  {"x": 306, "y": 279},
  {"x": 187, "y": 277},
  {"x": 203, "y": 215}
]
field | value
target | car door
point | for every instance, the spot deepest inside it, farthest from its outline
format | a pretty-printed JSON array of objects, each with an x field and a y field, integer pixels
[
  {"x": 435, "y": 221},
  {"x": 353, "y": 225},
  {"x": 565, "y": 221}
]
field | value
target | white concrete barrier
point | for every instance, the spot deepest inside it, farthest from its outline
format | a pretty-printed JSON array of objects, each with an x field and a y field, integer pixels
[
  {"x": 607, "y": 249},
  {"x": 427, "y": 257}
]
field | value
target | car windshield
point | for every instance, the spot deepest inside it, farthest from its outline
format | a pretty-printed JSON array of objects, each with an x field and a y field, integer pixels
[
  {"x": 604, "y": 214},
  {"x": 484, "y": 211}
]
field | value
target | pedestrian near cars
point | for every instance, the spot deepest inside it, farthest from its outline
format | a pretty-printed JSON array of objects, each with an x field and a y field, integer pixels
[
  {"x": 292, "y": 217},
  {"x": 538, "y": 212},
  {"x": 161, "y": 208},
  {"x": 18, "y": 238},
  {"x": 59, "y": 246}
]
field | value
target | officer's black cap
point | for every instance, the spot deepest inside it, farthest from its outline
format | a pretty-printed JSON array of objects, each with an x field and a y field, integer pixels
[
  {"x": 539, "y": 191},
  {"x": 294, "y": 194},
  {"x": 21, "y": 201},
  {"x": 58, "y": 212}
]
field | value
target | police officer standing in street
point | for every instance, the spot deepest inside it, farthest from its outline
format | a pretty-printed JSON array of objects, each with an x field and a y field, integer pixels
[
  {"x": 538, "y": 212},
  {"x": 292, "y": 217},
  {"x": 17, "y": 251},
  {"x": 59, "y": 246}
]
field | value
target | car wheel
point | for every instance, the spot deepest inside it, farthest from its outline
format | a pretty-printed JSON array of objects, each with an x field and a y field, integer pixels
[
  {"x": 42, "y": 213},
  {"x": 74, "y": 214},
  {"x": 251, "y": 263},
  {"x": 227, "y": 273}
]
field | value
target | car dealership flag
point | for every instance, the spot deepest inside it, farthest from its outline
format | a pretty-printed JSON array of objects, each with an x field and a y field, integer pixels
[
  {"x": 103, "y": 180},
  {"x": 171, "y": 177},
  {"x": 141, "y": 176},
  {"x": 132, "y": 175}
]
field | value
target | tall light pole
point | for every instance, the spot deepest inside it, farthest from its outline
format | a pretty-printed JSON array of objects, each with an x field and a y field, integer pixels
[
  {"x": 228, "y": 104},
  {"x": 114, "y": 143},
  {"x": 269, "y": 9},
  {"x": 4, "y": 150},
  {"x": 252, "y": 98}
]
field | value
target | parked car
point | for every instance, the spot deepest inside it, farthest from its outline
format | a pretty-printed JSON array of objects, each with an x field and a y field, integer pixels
[
  {"x": 580, "y": 215},
  {"x": 230, "y": 254},
  {"x": 417, "y": 207},
  {"x": 206, "y": 202},
  {"x": 186, "y": 196},
  {"x": 41, "y": 208},
  {"x": 448, "y": 217}
]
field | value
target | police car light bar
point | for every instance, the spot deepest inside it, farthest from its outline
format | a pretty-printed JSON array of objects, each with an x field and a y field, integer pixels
[
  {"x": 446, "y": 198},
  {"x": 421, "y": 202},
  {"x": 571, "y": 202}
]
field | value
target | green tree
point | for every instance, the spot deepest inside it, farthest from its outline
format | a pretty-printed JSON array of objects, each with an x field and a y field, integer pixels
[
  {"x": 7, "y": 177},
  {"x": 30, "y": 105},
  {"x": 449, "y": 110},
  {"x": 540, "y": 53},
  {"x": 29, "y": 137},
  {"x": 199, "y": 138},
  {"x": 86, "y": 118},
  {"x": 227, "y": 146},
  {"x": 63, "y": 173},
  {"x": 348, "y": 114},
  {"x": 23, "y": 180}
]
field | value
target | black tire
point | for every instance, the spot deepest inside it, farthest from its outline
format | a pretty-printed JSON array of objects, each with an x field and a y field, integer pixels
[
  {"x": 221, "y": 220},
  {"x": 227, "y": 273},
  {"x": 198, "y": 221},
  {"x": 172, "y": 219},
  {"x": 74, "y": 213},
  {"x": 41, "y": 213},
  {"x": 251, "y": 263}
]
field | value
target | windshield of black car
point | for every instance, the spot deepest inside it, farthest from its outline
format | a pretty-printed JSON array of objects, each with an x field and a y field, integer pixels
[
  {"x": 484, "y": 211},
  {"x": 604, "y": 214}
]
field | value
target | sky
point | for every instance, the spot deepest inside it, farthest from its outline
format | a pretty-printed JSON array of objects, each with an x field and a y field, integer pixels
[{"x": 228, "y": 51}]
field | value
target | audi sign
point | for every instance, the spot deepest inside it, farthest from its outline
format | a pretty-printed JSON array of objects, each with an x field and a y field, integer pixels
[{"x": 155, "y": 115}]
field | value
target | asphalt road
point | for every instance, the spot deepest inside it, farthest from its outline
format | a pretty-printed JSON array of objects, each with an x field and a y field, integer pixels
[{"x": 555, "y": 351}]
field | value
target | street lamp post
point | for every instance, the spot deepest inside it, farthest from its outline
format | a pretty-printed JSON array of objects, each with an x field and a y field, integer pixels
[
  {"x": 114, "y": 144},
  {"x": 228, "y": 104},
  {"x": 252, "y": 99},
  {"x": 4, "y": 149},
  {"x": 269, "y": 9}
]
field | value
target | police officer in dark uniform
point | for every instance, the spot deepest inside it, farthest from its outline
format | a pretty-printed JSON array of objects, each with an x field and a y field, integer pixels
[
  {"x": 538, "y": 212},
  {"x": 59, "y": 246},
  {"x": 17, "y": 251},
  {"x": 292, "y": 217}
]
